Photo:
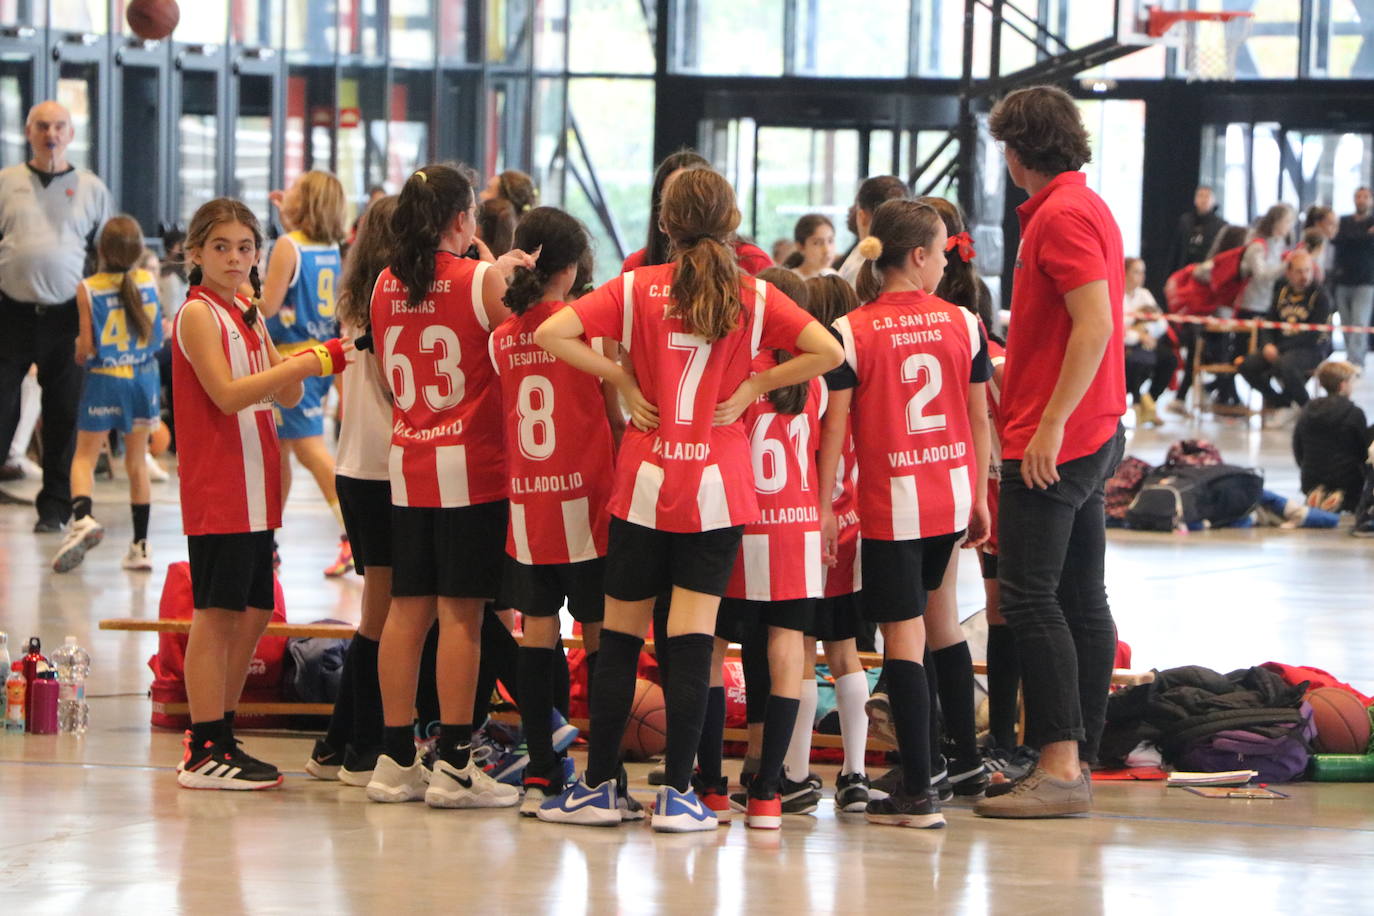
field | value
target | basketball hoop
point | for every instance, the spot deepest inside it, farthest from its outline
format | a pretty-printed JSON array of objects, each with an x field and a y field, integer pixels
[{"x": 1210, "y": 41}]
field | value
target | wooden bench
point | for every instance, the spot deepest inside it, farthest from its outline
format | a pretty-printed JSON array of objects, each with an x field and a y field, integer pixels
[{"x": 1120, "y": 677}]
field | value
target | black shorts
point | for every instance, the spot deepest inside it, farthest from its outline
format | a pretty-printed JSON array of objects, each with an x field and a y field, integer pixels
[
  {"x": 540, "y": 590},
  {"x": 366, "y": 509},
  {"x": 232, "y": 571},
  {"x": 738, "y": 616},
  {"x": 989, "y": 563},
  {"x": 452, "y": 553},
  {"x": 645, "y": 562},
  {"x": 838, "y": 618},
  {"x": 899, "y": 575}
]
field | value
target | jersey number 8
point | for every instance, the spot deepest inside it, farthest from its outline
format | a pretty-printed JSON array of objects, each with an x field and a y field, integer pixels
[
  {"x": 534, "y": 406},
  {"x": 437, "y": 339}
]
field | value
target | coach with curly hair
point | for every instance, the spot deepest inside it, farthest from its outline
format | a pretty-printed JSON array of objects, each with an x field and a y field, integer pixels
[{"x": 1062, "y": 398}]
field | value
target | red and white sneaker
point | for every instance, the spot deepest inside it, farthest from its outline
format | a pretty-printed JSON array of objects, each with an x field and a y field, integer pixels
[
  {"x": 764, "y": 813},
  {"x": 715, "y": 797},
  {"x": 344, "y": 564}
]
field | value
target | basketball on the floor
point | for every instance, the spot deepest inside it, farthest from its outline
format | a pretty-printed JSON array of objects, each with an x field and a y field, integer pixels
[
  {"x": 646, "y": 734},
  {"x": 1342, "y": 721},
  {"x": 153, "y": 19},
  {"x": 160, "y": 439}
]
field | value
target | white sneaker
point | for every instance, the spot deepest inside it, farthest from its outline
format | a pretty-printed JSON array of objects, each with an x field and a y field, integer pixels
[
  {"x": 139, "y": 557},
  {"x": 470, "y": 787},
  {"x": 30, "y": 470},
  {"x": 156, "y": 473},
  {"x": 83, "y": 534},
  {"x": 393, "y": 783}
]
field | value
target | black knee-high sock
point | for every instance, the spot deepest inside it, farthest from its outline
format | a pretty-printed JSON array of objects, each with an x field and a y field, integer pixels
[
  {"x": 954, "y": 668},
  {"x": 427, "y": 687},
  {"x": 779, "y": 718},
  {"x": 710, "y": 749},
  {"x": 340, "y": 731},
  {"x": 661, "y": 605},
  {"x": 367, "y": 695},
  {"x": 758, "y": 680},
  {"x": 612, "y": 695},
  {"x": 500, "y": 662},
  {"x": 689, "y": 681},
  {"x": 590, "y": 660},
  {"x": 933, "y": 693},
  {"x": 537, "y": 667},
  {"x": 910, "y": 696},
  {"x": 1004, "y": 679},
  {"x": 398, "y": 743},
  {"x": 562, "y": 683}
]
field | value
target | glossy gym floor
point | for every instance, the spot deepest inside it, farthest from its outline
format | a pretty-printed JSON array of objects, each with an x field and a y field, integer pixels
[{"x": 98, "y": 824}]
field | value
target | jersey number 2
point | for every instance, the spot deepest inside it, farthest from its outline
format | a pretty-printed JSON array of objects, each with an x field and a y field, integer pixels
[{"x": 922, "y": 369}]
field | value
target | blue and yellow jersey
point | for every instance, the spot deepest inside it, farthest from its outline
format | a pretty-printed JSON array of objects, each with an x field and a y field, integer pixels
[
  {"x": 307, "y": 313},
  {"x": 116, "y": 344}
]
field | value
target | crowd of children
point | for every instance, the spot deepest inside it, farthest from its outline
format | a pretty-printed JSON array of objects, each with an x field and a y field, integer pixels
[{"x": 699, "y": 434}]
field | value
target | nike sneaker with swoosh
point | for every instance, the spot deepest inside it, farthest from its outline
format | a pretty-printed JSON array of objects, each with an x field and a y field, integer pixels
[
  {"x": 470, "y": 787},
  {"x": 681, "y": 812},
  {"x": 392, "y": 782},
  {"x": 585, "y": 805}
]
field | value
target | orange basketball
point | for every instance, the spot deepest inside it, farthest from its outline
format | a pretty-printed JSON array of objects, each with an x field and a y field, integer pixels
[
  {"x": 646, "y": 734},
  {"x": 1341, "y": 719},
  {"x": 159, "y": 440},
  {"x": 153, "y": 19}
]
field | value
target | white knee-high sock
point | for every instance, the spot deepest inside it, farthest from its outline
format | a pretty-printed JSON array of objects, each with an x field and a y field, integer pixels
[
  {"x": 798, "y": 763},
  {"x": 851, "y": 693}
]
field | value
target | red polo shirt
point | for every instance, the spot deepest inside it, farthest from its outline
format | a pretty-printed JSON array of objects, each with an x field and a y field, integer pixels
[{"x": 1068, "y": 239}]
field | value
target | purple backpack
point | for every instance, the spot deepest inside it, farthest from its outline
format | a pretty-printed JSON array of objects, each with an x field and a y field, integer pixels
[{"x": 1279, "y": 758}]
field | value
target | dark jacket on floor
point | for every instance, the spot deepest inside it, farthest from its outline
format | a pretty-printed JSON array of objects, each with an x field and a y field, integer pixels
[{"x": 1330, "y": 443}]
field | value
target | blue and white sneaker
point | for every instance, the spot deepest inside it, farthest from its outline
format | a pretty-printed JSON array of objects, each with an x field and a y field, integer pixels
[
  {"x": 507, "y": 765},
  {"x": 584, "y": 805},
  {"x": 681, "y": 812},
  {"x": 564, "y": 733}
]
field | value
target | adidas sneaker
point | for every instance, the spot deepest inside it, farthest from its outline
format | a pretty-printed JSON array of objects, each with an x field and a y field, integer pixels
[{"x": 216, "y": 765}]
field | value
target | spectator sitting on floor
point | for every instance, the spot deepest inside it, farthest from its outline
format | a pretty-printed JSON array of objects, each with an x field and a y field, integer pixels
[
  {"x": 1331, "y": 440},
  {"x": 1150, "y": 354},
  {"x": 1289, "y": 356}
]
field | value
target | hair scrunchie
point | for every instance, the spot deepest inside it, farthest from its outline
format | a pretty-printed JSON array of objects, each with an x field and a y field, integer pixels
[{"x": 964, "y": 242}]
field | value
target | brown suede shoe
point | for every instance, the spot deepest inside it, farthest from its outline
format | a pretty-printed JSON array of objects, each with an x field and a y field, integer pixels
[{"x": 1040, "y": 795}]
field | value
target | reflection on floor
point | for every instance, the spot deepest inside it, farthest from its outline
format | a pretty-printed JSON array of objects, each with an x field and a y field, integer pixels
[{"x": 99, "y": 824}]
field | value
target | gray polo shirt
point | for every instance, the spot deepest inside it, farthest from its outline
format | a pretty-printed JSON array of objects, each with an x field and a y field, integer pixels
[{"x": 44, "y": 231}]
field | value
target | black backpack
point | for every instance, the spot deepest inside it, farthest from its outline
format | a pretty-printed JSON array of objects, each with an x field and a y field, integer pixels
[{"x": 1189, "y": 497}]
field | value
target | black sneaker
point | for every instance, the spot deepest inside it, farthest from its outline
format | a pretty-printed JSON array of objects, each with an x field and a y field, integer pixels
[
  {"x": 797, "y": 797},
  {"x": 739, "y": 801},
  {"x": 48, "y": 524},
  {"x": 223, "y": 766},
  {"x": 358, "y": 764},
  {"x": 851, "y": 792},
  {"x": 324, "y": 762},
  {"x": 942, "y": 788},
  {"x": 814, "y": 781},
  {"x": 886, "y": 784},
  {"x": 656, "y": 777},
  {"x": 902, "y": 810},
  {"x": 968, "y": 778}
]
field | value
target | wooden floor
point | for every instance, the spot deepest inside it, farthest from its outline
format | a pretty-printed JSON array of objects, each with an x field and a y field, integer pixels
[{"x": 98, "y": 824}]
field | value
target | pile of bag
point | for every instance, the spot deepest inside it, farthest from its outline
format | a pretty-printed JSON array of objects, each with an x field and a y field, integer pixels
[
  {"x": 1194, "y": 489},
  {"x": 1203, "y": 721}
]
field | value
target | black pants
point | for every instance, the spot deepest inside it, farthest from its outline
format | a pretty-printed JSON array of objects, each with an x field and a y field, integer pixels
[
  {"x": 1291, "y": 372},
  {"x": 1155, "y": 366},
  {"x": 1052, "y": 545},
  {"x": 45, "y": 336}
]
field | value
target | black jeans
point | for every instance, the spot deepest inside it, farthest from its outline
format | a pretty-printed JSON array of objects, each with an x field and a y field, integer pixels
[
  {"x": 1291, "y": 371},
  {"x": 1052, "y": 546},
  {"x": 45, "y": 336}
]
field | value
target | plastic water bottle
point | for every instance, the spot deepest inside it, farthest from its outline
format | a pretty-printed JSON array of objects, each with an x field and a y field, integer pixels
[
  {"x": 73, "y": 664},
  {"x": 16, "y": 689}
]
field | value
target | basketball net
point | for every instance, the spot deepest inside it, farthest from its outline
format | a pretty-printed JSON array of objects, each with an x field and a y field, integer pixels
[{"x": 1211, "y": 47}]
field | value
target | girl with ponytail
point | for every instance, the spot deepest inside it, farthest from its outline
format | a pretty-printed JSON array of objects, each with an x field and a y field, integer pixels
[
  {"x": 432, "y": 312},
  {"x": 914, "y": 383},
  {"x": 560, "y": 424},
  {"x": 226, "y": 377},
  {"x": 684, "y": 483},
  {"x": 120, "y": 334}
]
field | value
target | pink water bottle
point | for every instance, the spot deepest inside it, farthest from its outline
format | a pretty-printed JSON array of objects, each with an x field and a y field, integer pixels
[{"x": 43, "y": 703}]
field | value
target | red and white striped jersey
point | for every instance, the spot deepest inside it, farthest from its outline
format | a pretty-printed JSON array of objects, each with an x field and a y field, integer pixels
[
  {"x": 559, "y": 450},
  {"x": 844, "y": 578},
  {"x": 229, "y": 465},
  {"x": 913, "y": 356},
  {"x": 687, "y": 475},
  {"x": 780, "y": 554},
  {"x": 446, "y": 449},
  {"x": 998, "y": 354}
]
